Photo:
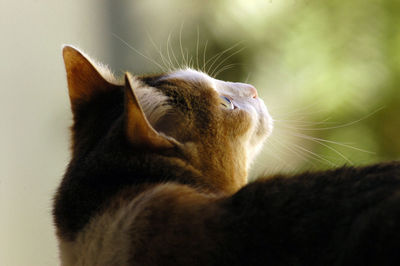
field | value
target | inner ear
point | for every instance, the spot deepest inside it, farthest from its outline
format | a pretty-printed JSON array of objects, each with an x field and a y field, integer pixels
[
  {"x": 85, "y": 79},
  {"x": 138, "y": 129}
]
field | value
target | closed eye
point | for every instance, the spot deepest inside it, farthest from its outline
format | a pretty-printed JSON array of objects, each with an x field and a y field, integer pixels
[{"x": 226, "y": 102}]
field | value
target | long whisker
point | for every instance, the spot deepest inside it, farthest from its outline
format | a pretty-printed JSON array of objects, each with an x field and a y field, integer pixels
[
  {"x": 225, "y": 59},
  {"x": 275, "y": 154},
  {"x": 295, "y": 114},
  {"x": 190, "y": 59},
  {"x": 158, "y": 49},
  {"x": 303, "y": 122},
  {"x": 320, "y": 141},
  {"x": 302, "y": 125},
  {"x": 248, "y": 77},
  {"x": 303, "y": 152},
  {"x": 225, "y": 68},
  {"x": 336, "y": 151},
  {"x": 168, "y": 55},
  {"x": 350, "y": 123},
  {"x": 172, "y": 51},
  {"x": 181, "y": 47},
  {"x": 215, "y": 57},
  {"x": 274, "y": 167},
  {"x": 197, "y": 48},
  {"x": 204, "y": 56},
  {"x": 305, "y": 125},
  {"x": 138, "y": 52},
  {"x": 329, "y": 141},
  {"x": 297, "y": 111},
  {"x": 297, "y": 152},
  {"x": 315, "y": 154}
]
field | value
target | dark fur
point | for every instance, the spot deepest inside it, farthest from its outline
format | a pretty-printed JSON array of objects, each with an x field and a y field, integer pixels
[{"x": 347, "y": 216}]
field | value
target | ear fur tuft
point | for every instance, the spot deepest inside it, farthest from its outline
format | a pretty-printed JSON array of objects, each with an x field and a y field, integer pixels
[{"x": 138, "y": 130}]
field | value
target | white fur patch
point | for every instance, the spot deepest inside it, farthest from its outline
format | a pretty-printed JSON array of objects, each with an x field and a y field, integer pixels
[
  {"x": 153, "y": 102},
  {"x": 189, "y": 74}
]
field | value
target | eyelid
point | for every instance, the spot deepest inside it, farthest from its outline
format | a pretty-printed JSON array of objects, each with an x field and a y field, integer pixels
[
  {"x": 227, "y": 98},
  {"x": 227, "y": 102}
]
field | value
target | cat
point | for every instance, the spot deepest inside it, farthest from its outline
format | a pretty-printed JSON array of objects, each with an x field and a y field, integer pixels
[{"x": 158, "y": 176}]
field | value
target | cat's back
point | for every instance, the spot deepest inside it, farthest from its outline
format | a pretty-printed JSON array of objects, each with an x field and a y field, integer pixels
[{"x": 345, "y": 216}]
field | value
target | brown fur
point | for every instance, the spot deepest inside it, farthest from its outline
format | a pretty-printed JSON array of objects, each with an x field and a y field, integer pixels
[{"x": 175, "y": 193}]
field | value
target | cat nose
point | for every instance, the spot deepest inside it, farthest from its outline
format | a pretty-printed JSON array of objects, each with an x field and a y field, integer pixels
[
  {"x": 253, "y": 92},
  {"x": 244, "y": 89},
  {"x": 250, "y": 90}
]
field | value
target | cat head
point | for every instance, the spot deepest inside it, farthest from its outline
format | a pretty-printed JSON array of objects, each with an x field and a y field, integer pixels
[{"x": 213, "y": 126}]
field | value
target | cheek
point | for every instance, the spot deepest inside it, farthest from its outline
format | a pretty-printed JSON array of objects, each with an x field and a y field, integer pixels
[{"x": 237, "y": 123}]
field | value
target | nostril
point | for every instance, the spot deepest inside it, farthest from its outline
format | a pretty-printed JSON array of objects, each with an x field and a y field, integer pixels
[{"x": 253, "y": 91}]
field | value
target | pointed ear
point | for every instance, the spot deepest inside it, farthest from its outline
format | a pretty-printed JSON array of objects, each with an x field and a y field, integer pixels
[
  {"x": 84, "y": 79},
  {"x": 138, "y": 130}
]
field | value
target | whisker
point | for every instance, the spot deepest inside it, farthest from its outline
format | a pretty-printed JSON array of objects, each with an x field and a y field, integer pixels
[
  {"x": 350, "y": 123},
  {"x": 320, "y": 141},
  {"x": 303, "y": 152},
  {"x": 304, "y": 122},
  {"x": 336, "y": 151},
  {"x": 286, "y": 147},
  {"x": 168, "y": 66},
  {"x": 248, "y": 77},
  {"x": 215, "y": 57},
  {"x": 225, "y": 59},
  {"x": 315, "y": 154},
  {"x": 273, "y": 167},
  {"x": 190, "y": 59},
  {"x": 172, "y": 51},
  {"x": 275, "y": 154},
  {"x": 181, "y": 47},
  {"x": 297, "y": 114},
  {"x": 306, "y": 126},
  {"x": 224, "y": 69},
  {"x": 204, "y": 56},
  {"x": 197, "y": 48},
  {"x": 301, "y": 125},
  {"x": 329, "y": 141},
  {"x": 138, "y": 52},
  {"x": 297, "y": 111}
]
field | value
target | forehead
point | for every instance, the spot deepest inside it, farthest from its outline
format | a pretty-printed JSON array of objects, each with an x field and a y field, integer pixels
[
  {"x": 185, "y": 89},
  {"x": 183, "y": 78},
  {"x": 191, "y": 75}
]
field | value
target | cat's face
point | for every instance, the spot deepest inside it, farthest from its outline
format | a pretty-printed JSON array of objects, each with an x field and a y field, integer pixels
[{"x": 219, "y": 126}]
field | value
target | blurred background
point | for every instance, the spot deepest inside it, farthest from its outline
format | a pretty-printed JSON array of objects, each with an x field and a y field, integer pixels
[{"x": 329, "y": 72}]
